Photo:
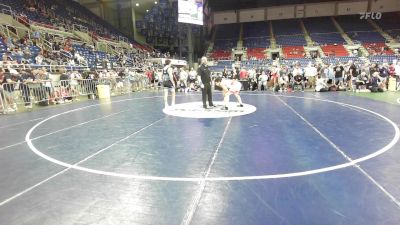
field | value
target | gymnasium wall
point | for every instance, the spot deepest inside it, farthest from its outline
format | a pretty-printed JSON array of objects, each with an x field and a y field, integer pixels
[
  {"x": 385, "y": 5},
  {"x": 251, "y": 15},
  {"x": 280, "y": 12},
  {"x": 320, "y": 9},
  {"x": 350, "y": 8},
  {"x": 225, "y": 17},
  {"x": 333, "y": 8}
]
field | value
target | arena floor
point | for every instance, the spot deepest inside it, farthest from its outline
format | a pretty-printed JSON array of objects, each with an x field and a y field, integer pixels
[{"x": 300, "y": 159}]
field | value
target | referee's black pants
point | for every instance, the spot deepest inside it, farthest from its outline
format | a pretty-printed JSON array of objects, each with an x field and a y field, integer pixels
[{"x": 206, "y": 94}]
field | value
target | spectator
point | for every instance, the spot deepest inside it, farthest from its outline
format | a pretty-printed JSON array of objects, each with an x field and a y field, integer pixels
[
  {"x": 39, "y": 59},
  {"x": 321, "y": 85}
]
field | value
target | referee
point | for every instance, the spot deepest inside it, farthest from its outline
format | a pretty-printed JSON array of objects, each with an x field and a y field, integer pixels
[{"x": 205, "y": 83}]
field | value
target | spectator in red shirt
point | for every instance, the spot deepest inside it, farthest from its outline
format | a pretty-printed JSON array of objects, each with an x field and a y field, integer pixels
[
  {"x": 150, "y": 76},
  {"x": 243, "y": 74}
]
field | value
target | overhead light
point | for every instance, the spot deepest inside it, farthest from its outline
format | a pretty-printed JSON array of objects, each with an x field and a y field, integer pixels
[
  {"x": 147, "y": 10},
  {"x": 137, "y": 4},
  {"x": 155, "y": 2}
]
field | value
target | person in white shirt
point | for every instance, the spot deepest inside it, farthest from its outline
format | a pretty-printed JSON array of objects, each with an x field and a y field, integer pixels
[
  {"x": 397, "y": 72},
  {"x": 39, "y": 59},
  {"x": 297, "y": 70},
  {"x": 71, "y": 62},
  {"x": 263, "y": 81},
  {"x": 229, "y": 87},
  {"x": 103, "y": 74},
  {"x": 80, "y": 59},
  {"x": 298, "y": 78},
  {"x": 329, "y": 72},
  {"x": 320, "y": 85},
  {"x": 310, "y": 72}
]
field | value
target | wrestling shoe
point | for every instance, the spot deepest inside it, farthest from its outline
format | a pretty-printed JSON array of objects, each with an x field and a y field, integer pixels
[
  {"x": 241, "y": 105},
  {"x": 224, "y": 108}
]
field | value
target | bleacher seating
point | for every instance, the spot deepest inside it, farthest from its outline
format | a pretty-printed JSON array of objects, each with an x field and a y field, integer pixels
[
  {"x": 293, "y": 52},
  {"x": 286, "y": 27},
  {"x": 334, "y": 50},
  {"x": 378, "y": 49},
  {"x": 389, "y": 21},
  {"x": 3, "y": 47},
  {"x": 87, "y": 53},
  {"x": 226, "y": 39},
  {"x": 327, "y": 38},
  {"x": 228, "y": 31},
  {"x": 255, "y": 35},
  {"x": 366, "y": 36},
  {"x": 395, "y": 34},
  {"x": 63, "y": 15},
  {"x": 221, "y": 55},
  {"x": 256, "y": 42},
  {"x": 256, "y": 63},
  {"x": 221, "y": 64},
  {"x": 353, "y": 23},
  {"x": 323, "y": 31},
  {"x": 225, "y": 44},
  {"x": 255, "y": 29},
  {"x": 256, "y": 39},
  {"x": 343, "y": 59},
  {"x": 383, "y": 58},
  {"x": 319, "y": 25},
  {"x": 257, "y": 53},
  {"x": 292, "y": 40},
  {"x": 227, "y": 36},
  {"x": 290, "y": 37},
  {"x": 19, "y": 56},
  {"x": 302, "y": 61}
]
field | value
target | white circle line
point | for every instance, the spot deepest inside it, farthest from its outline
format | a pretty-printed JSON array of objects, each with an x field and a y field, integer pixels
[
  {"x": 398, "y": 100},
  {"x": 236, "y": 178}
]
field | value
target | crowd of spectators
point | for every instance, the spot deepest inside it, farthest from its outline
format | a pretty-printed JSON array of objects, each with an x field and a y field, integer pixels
[
  {"x": 42, "y": 87},
  {"x": 350, "y": 76}
]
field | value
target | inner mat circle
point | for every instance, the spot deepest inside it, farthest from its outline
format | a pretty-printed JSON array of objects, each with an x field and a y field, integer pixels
[{"x": 196, "y": 110}]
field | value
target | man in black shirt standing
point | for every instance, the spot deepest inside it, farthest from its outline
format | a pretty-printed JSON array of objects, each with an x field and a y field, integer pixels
[
  {"x": 339, "y": 73},
  {"x": 205, "y": 80}
]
